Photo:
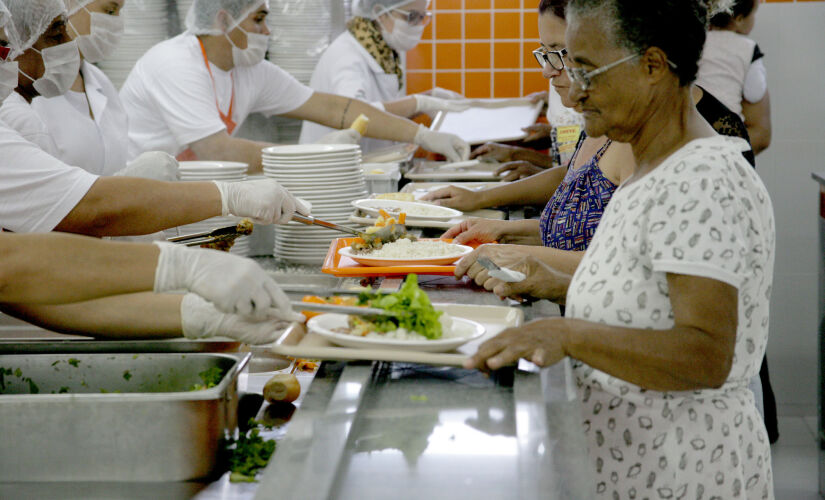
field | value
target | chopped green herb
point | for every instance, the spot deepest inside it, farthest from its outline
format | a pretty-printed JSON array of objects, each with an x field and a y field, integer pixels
[
  {"x": 248, "y": 454},
  {"x": 63, "y": 390},
  {"x": 135, "y": 356},
  {"x": 127, "y": 375},
  {"x": 58, "y": 361},
  {"x": 33, "y": 389},
  {"x": 18, "y": 373},
  {"x": 74, "y": 362},
  {"x": 210, "y": 377},
  {"x": 3, "y": 373}
]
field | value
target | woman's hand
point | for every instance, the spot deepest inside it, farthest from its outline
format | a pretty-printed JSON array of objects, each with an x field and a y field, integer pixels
[
  {"x": 515, "y": 170},
  {"x": 540, "y": 341},
  {"x": 537, "y": 131},
  {"x": 495, "y": 151},
  {"x": 477, "y": 230},
  {"x": 455, "y": 197},
  {"x": 542, "y": 281}
]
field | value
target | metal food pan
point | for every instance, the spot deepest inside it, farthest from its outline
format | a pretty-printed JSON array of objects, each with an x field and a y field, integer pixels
[{"x": 114, "y": 417}]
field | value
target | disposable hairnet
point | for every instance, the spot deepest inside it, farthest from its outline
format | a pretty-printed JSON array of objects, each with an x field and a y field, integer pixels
[
  {"x": 4, "y": 14},
  {"x": 373, "y": 8},
  {"x": 73, "y": 6},
  {"x": 29, "y": 20},
  {"x": 202, "y": 18}
]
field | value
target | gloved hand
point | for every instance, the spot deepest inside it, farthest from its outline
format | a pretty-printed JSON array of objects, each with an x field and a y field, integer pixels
[
  {"x": 346, "y": 136},
  {"x": 234, "y": 284},
  {"x": 155, "y": 165},
  {"x": 444, "y": 93},
  {"x": 264, "y": 201},
  {"x": 200, "y": 319},
  {"x": 452, "y": 146},
  {"x": 427, "y": 104}
]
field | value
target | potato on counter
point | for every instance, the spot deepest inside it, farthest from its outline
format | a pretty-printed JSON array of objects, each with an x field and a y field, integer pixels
[{"x": 282, "y": 387}]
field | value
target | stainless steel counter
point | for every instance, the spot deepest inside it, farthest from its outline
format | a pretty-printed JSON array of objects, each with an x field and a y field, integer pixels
[{"x": 389, "y": 430}]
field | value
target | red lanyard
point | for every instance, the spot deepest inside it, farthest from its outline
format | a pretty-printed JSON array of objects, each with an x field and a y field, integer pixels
[{"x": 225, "y": 118}]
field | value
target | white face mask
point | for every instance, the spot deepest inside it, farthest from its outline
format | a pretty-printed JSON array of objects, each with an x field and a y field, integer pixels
[
  {"x": 62, "y": 64},
  {"x": 104, "y": 37},
  {"x": 404, "y": 37},
  {"x": 256, "y": 45},
  {"x": 8, "y": 78}
]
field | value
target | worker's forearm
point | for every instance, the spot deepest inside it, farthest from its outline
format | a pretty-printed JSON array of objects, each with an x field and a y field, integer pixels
[
  {"x": 339, "y": 112},
  {"x": 119, "y": 206},
  {"x": 227, "y": 148},
  {"x": 61, "y": 268},
  {"x": 535, "y": 190},
  {"x": 679, "y": 359},
  {"x": 405, "y": 107},
  {"x": 133, "y": 316}
]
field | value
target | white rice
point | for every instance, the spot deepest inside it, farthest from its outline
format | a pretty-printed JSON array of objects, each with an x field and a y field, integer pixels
[
  {"x": 416, "y": 210},
  {"x": 448, "y": 331},
  {"x": 406, "y": 249}
]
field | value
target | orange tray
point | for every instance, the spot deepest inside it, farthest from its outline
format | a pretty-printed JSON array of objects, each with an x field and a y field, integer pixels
[{"x": 337, "y": 265}]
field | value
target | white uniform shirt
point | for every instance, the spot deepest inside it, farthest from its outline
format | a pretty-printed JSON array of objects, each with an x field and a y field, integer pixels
[
  {"x": 347, "y": 69},
  {"x": 725, "y": 63},
  {"x": 171, "y": 102},
  {"x": 702, "y": 212},
  {"x": 19, "y": 115},
  {"x": 37, "y": 191},
  {"x": 98, "y": 145}
]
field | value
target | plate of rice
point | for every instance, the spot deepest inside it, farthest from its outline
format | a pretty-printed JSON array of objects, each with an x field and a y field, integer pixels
[
  {"x": 336, "y": 328},
  {"x": 404, "y": 252},
  {"x": 413, "y": 209}
]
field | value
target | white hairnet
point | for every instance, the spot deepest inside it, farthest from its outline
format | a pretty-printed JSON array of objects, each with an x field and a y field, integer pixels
[
  {"x": 373, "y": 8},
  {"x": 202, "y": 18},
  {"x": 73, "y": 6},
  {"x": 4, "y": 14},
  {"x": 29, "y": 20}
]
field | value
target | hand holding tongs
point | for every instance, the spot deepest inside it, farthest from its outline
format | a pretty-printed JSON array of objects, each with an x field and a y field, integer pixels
[
  {"x": 354, "y": 310},
  {"x": 243, "y": 228}
]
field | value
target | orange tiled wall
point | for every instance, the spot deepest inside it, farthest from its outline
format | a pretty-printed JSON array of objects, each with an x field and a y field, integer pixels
[{"x": 480, "y": 48}]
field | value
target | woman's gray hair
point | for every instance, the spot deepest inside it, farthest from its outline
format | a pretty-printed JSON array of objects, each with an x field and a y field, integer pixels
[{"x": 677, "y": 27}]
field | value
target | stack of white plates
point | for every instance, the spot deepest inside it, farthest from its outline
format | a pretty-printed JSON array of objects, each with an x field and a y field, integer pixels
[
  {"x": 147, "y": 23},
  {"x": 329, "y": 176},
  {"x": 192, "y": 171},
  {"x": 301, "y": 31}
]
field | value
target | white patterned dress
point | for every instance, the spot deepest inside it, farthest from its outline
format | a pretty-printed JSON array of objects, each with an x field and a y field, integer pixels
[{"x": 702, "y": 212}]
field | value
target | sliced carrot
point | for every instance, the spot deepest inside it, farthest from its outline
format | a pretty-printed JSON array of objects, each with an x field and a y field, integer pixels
[
  {"x": 402, "y": 217},
  {"x": 383, "y": 213}
]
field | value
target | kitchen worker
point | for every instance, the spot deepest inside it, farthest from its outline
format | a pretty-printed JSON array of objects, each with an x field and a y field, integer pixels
[
  {"x": 39, "y": 193},
  {"x": 187, "y": 96},
  {"x": 82, "y": 285},
  {"x": 366, "y": 62},
  {"x": 86, "y": 125}
]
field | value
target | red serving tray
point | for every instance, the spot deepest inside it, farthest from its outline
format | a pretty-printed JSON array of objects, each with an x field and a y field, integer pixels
[{"x": 343, "y": 267}]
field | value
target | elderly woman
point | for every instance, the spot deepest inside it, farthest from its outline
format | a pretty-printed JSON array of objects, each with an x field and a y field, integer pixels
[
  {"x": 668, "y": 311},
  {"x": 366, "y": 62}
]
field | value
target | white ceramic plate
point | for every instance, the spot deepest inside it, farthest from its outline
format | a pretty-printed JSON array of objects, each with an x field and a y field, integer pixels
[
  {"x": 365, "y": 260},
  {"x": 309, "y": 149},
  {"x": 463, "y": 331},
  {"x": 213, "y": 166},
  {"x": 371, "y": 207}
]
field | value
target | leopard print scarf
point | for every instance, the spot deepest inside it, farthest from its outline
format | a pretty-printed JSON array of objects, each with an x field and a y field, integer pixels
[{"x": 369, "y": 36}]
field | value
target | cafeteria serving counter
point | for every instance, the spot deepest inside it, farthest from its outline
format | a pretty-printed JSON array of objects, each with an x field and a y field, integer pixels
[{"x": 395, "y": 430}]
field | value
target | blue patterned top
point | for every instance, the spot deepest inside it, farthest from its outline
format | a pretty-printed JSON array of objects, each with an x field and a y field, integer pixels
[{"x": 570, "y": 218}]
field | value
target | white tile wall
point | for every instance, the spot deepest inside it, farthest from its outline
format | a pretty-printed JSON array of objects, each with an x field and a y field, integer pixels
[{"x": 792, "y": 35}]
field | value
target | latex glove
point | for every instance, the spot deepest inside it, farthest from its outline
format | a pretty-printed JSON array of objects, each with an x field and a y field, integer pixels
[
  {"x": 264, "y": 201},
  {"x": 444, "y": 93},
  {"x": 155, "y": 165},
  {"x": 201, "y": 319},
  {"x": 234, "y": 284},
  {"x": 451, "y": 146},
  {"x": 456, "y": 197},
  {"x": 515, "y": 170},
  {"x": 427, "y": 104},
  {"x": 346, "y": 136}
]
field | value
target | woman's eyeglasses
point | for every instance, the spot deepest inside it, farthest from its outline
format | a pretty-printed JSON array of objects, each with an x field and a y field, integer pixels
[
  {"x": 415, "y": 17},
  {"x": 585, "y": 78},
  {"x": 555, "y": 58}
]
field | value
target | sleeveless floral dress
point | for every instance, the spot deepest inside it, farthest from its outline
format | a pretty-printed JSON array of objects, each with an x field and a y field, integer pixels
[{"x": 570, "y": 218}]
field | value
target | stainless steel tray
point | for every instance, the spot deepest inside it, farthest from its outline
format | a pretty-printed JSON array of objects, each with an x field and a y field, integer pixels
[
  {"x": 116, "y": 346},
  {"x": 154, "y": 429}
]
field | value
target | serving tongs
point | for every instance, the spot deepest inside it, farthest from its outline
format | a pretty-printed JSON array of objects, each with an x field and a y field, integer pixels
[
  {"x": 227, "y": 233},
  {"x": 353, "y": 310},
  {"x": 375, "y": 239}
]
